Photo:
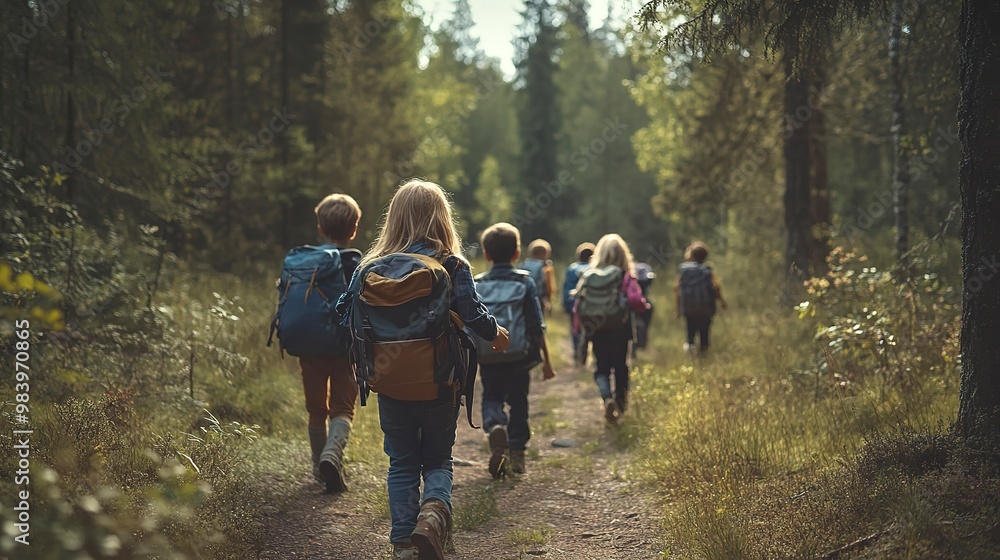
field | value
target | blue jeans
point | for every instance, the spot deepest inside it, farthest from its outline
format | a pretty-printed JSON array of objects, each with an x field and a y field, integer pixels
[
  {"x": 579, "y": 354},
  {"x": 419, "y": 436},
  {"x": 611, "y": 351},
  {"x": 511, "y": 387}
]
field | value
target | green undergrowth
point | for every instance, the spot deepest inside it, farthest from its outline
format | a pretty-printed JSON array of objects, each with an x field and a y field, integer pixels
[
  {"x": 164, "y": 432},
  {"x": 815, "y": 431}
]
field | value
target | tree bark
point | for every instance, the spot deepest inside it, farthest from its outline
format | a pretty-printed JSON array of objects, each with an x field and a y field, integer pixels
[
  {"x": 900, "y": 175},
  {"x": 797, "y": 170},
  {"x": 819, "y": 187},
  {"x": 285, "y": 205},
  {"x": 979, "y": 183}
]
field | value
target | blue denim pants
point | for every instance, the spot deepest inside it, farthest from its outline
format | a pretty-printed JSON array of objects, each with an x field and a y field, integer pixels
[
  {"x": 419, "y": 436},
  {"x": 511, "y": 386}
]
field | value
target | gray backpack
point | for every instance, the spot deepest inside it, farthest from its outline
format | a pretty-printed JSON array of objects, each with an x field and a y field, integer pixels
[
  {"x": 697, "y": 294},
  {"x": 505, "y": 296},
  {"x": 601, "y": 304}
]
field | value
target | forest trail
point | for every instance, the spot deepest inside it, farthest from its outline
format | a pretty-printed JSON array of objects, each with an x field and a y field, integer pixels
[{"x": 574, "y": 502}]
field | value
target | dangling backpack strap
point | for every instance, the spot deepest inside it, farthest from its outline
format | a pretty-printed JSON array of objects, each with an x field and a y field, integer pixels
[
  {"x": 469, "y": 389},
  {"x": 466, "y": 345}
]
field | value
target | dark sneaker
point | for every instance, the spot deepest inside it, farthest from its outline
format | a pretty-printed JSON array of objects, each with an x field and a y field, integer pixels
[
  {"x": 517, "y": 461},
  {"x": 317, "y": 474},
  {"x": 404, "y": 551},
  {"x": 498, "y": 451},
  {"x": 431, "y": 532},
  {"x": 333, "y": 476},
  {"x": 611, "y": 411},
  {"x": 622, "y": 401}
]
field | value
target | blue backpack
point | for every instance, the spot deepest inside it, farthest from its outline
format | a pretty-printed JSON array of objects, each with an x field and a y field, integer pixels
[
  {"x": 573, "y": 273},
  {"x": 536, "y": 269},
  {"x": 505, "y": 297},
  {"x": 307, "y": 323}
]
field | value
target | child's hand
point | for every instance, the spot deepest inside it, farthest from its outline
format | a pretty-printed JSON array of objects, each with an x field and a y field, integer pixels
[
  {"x": 547, "y": 371},
  {"x": 502, "y": 341}
]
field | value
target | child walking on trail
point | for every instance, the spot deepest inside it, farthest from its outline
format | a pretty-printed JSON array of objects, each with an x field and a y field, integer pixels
[
  {"x": 405, "y": 344},
  {"x": 510, "y": 295},
  {"x": 696, "y": 290},
  {"x": 606, "y": 298},
  {"x": 573, "y": 273},
  {"x": 542, "y": 272},
  {"x": 312, "y": 280}
]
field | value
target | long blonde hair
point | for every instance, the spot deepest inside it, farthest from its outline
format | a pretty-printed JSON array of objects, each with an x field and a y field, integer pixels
[
  {"x": 612, "y": 250},
  {"x": 418, "y": 211}
]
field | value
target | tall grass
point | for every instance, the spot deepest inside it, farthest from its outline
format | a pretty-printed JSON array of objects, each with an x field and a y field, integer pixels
[
  {"x": 766, "y": 446},
  {"x": 165, "y": 450}
]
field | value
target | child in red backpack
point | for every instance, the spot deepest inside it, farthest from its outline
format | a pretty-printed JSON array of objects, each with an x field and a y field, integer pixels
[
  {"x": 420, "y": 434},
  {"x": 611, "y": 341}
]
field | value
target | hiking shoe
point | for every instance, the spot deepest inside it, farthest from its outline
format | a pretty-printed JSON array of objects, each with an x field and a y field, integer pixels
[
  {"x": 517, "y": 461},
  {"x": 431, "y": 532},
  {"x": 611, "y": 411},
  {"x": 404, "y": 551},
  {"x": 622, "y": 401},
  {"x": 333, "y": 476},
  {"x": 317, "y": 474},
  {"x": 498, "y": 451}
]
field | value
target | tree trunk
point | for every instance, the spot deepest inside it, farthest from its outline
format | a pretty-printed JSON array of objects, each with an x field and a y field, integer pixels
[
  {"x": 70, "y": 103},
  {"x": 819, "y": 188},
  {"x": 979, "y": 183},
  {"x": 797, "y": 171},
  {"x": 900, "y": 175},
  {"x": 285, "y": 205}
]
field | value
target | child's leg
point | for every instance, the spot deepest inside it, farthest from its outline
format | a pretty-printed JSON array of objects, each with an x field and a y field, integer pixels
[
  {"x": 343, "y": 388},
  {"x": 315, "y": 378},
  {"x": 604, "y": 352},
  {"x": 703, "y": 327},
  {"x": 343, "y": 395},
  {"x": 517, "y": 397},
  {"x": 619, "y": 355},
  {"x": 574, "y": 337},
  {"x": 692, "y": 327},
  {"x": 400, "y": 423},
  {"x": 438, "y": 423},
  {"x": 494, "y": 391},
  {"x": 315, "y": 382}
]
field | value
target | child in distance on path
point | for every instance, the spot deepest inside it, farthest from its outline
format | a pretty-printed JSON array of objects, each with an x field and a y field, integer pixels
[
  {"x": 573, "y": 272},
  {"x": 611, "y": 339},
  {"x": 419, "y": 435},
  {"x": 506, "y": 379},
  {"x": 696, "y": 290},
  {"x": 542, "y": 271}
]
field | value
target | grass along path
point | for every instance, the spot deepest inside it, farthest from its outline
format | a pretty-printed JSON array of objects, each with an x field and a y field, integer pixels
[{"x": 573, "y": 502}]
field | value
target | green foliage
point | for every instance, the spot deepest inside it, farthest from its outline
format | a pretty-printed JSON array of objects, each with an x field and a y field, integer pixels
[{"x": 871, "y": 323}]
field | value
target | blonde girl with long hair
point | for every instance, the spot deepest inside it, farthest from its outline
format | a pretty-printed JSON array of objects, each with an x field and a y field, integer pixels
[
  {"x": 611, "y": 344},
  {"x": 419, "y": 435}
]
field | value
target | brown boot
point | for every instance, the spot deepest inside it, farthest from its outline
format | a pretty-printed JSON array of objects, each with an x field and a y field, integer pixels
[
  {"x": 517, "y": 460},
  {"x": 404, "y": 551},
  {"x": 431, "y": 532},
  {"x": 498, "y": 451},
  {"x": 611, "y": 411}
]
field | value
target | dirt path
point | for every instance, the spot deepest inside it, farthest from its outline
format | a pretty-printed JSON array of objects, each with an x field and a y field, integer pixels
[{"x": 574, "y": 502}]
